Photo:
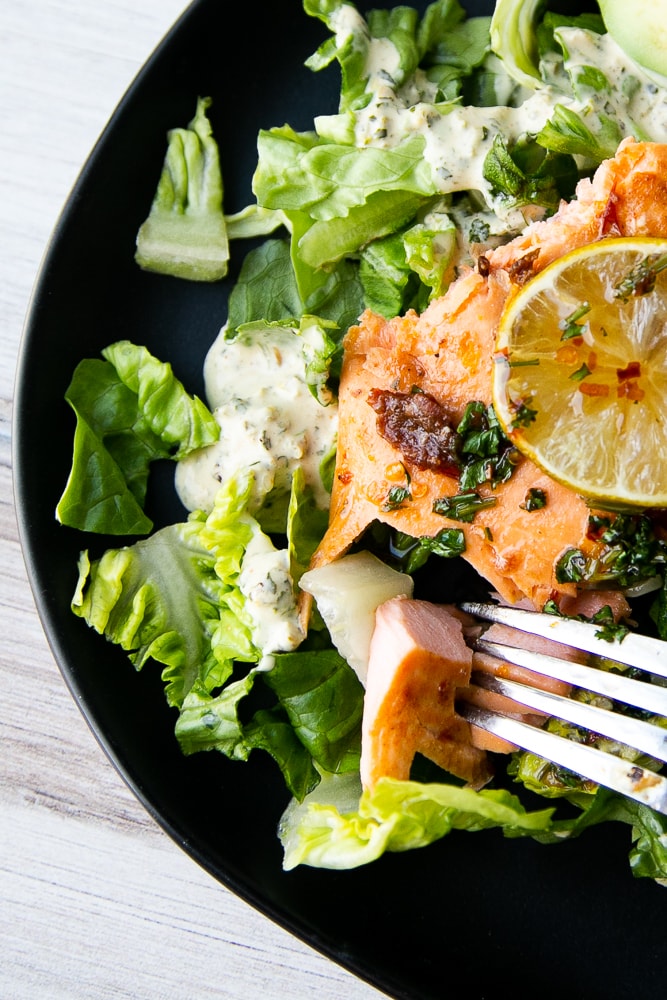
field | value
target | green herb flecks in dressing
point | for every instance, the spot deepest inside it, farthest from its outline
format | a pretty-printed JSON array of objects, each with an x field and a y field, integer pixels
[
  {"x": 270, "y": 421},
  {"x": 595, "y": 80},
  {"x": 266, "y": 583},
  {"x": 605, "y": 79}
]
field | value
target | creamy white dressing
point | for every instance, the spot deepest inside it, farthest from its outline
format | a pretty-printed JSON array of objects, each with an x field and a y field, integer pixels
[
  {"x": 633, "y": 100},
  {"x": 266, "y": 583},
  {"x": 270, "y": 423},
  {"x": 457, "y": 138},
  {"x": 269, "y": 420}
]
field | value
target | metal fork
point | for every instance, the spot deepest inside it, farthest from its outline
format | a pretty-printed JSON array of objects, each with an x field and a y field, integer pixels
[{"x": 599, "y": 766}]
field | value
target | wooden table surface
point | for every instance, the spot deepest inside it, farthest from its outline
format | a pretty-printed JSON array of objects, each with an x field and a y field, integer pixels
[{"x": 95, "y": 900}]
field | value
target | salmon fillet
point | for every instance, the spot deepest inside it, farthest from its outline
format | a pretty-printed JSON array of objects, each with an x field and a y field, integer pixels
[{"x": 447, "y": 352}]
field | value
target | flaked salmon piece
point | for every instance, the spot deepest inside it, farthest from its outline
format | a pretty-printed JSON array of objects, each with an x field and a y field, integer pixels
[
  {"x": 418, "y": 660},
  {"x": 509, "y": 636},
  {"x": 588, "y": 603},
  {"x": 447, "y": 352},
  {"x": 493, "y": 702},
  {"x": 500, "y": 704},
  {"x": 627, "y": 196}
]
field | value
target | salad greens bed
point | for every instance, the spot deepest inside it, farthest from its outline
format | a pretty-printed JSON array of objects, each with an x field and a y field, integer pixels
[{"x": 451, "y": 130}]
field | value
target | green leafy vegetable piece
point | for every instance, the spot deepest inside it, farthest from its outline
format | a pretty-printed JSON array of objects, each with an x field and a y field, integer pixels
[
  {"x": 185, "y": 234},
  {"x": 160, "y": 599},
  {"x": 388, "y": 281},
  {"x": 306, "y": 524},
  {"x": 487, "y": 455},
  {"x": 430, "y": 246},
  {"x": 266, "y": 289},
  {"x": 338, "y": 827},
  {"x": 513, "y": 38},
  {"x": 628, "y": 552},
  {"x": 175, "y": 597},
  {"x": 565, "y": 132},
  {"x": 323, "y": 698},
  {"x": 463, "y": 506},
  {"x": 130, "y": 411},
  {"x": 180, "y": 420},
  {"x": 521, "y": 174},
  {"x": 413, "y": 553},
  {"x": 209, "y": 722}
]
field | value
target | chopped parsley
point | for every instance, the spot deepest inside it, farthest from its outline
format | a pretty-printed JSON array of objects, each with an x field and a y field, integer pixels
[
  {"x": 571, "y": 326},
  {"x": 610, "y": 630},
  {"x": 463, "y": 506},
  {"x": 581, "y": 373},
  {"x": 640, "y": 280},
  {"x": 396, "y": 498},
  {"x": 479, "y": 231},
  {"x": 487, "y": 455},
  {"x": 535, "y": 499},
  {"x": 626, "y": 550}
]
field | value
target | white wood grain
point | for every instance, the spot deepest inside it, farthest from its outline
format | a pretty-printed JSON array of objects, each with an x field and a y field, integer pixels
[{"x": 95, "y": 901}]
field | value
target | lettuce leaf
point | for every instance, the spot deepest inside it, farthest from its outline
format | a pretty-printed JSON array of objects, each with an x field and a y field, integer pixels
[
  {"x": 130, "y": 410},
  {"x": 174, "y": 597},
  {"x": 323, "y": 699},
  {"x": 338, "y": 826},
  {"x": 185, "y": 234},
  {"x": 266, "y": 290}
]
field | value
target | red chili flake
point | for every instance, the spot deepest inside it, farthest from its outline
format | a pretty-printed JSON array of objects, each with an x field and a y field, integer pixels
[
  {"x": 633, "y": 370},
  {"x": 630, "y": 390},
  {"x": 593, "y": 389}
]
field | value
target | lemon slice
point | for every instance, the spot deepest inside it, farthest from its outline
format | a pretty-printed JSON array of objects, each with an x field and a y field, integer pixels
[{"x": 580, "y": 373}]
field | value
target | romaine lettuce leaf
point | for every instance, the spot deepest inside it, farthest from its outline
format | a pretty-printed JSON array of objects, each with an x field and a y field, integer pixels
[{"x": 130, "y": 411}]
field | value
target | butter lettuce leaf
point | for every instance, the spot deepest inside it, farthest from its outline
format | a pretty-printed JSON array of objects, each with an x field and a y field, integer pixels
[
  {"x": 323, "y": 703},
  {"x": 339, "y": 827},
  {"x": 313, "y": 726},
  {"x": 174, "y": 597},
  {"x": 185, "y": 234},
  {"x": 131, "y": 410},
  {"x": 266, "y": 290}
]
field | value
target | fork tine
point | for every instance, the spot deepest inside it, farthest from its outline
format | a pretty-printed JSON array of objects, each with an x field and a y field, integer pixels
[
  {"x": 605, "y": 769},
  {"x": 635, "y": 650},
  {"x": 644, "y": 736},
  {"x": 651, "y": 697}
]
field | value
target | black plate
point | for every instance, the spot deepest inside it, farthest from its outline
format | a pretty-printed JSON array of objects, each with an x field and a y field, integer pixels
[{"x": 498, "y": 916}]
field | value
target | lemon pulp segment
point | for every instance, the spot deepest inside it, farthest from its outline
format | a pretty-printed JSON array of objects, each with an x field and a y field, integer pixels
[{"x": 580, "y": 373}]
